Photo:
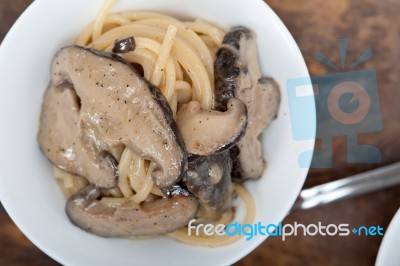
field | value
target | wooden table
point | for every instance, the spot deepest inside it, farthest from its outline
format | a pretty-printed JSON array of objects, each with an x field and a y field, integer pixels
[{"x": 316, "y": 25}]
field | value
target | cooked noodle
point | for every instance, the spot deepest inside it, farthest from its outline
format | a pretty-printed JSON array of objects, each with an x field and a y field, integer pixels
[
  {"x": 178, "y": 58},
  {"x": 215, "y": 240}
]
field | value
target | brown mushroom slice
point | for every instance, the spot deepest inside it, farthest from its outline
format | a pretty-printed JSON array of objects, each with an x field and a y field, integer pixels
[
  {"x": 238, "y": 74},
  {"x": 209, "y": 179},
  {"x": 124, "y": 45},
  {"x": 60, "y": 139},
  {"x": 207, "y": 132},
  {"x": 250, "y": 162},
  {"x": 122, "y": 108},
  {"x": 156, "y": 217}
]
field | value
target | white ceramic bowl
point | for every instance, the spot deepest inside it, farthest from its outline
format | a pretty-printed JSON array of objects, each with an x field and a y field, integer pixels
[
  {"x": 28, "y": 190},
  {"x": 389, "y": 250}
]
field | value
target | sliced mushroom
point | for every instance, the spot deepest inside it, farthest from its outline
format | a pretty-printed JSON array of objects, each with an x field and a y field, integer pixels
[
  {"x": 238, "y": 74},
  {"x": 118, "y": 107},
  {"x": 209, "y": 179},
  {"x": 207, "y": 132},
  {"x": 250, "y": 163},
  {"x": 124, "y": 45},
  {"x": 157, "y": 217},
  {"x": 61, "y": 141}
]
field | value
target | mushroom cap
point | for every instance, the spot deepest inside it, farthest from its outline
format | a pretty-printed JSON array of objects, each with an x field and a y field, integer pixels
[
  {"x": 63, "y": 141},
  {"x": 117, "y": 107},
  {"x": 238, "y": 75},
  {"x": 156, "y": 217},
  {"x": 209, "y": 179},
  {"x": 207, "y": 132}
]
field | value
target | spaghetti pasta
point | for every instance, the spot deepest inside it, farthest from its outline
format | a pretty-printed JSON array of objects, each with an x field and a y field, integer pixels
[
  {"x": 166, "y": 48},
  {"x": 215, "y": 240},
  {"x": 177, "y": 57}
]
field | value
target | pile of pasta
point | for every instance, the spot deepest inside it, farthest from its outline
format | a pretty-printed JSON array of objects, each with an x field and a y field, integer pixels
[{"x": 176, "y": 56}]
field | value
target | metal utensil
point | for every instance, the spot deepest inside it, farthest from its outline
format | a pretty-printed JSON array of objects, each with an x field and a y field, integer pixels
[{"x": 358, "y": 184}]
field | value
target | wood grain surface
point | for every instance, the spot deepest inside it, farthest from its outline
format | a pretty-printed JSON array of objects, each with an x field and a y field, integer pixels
[{"x": 316, "y": 25}]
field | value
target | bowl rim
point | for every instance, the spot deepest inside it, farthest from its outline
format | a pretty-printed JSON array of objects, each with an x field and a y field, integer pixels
[{"x": 387, "y": 244}]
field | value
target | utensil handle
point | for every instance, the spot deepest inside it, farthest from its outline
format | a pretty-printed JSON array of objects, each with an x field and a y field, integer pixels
[{"x": 362, "y": 183}]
